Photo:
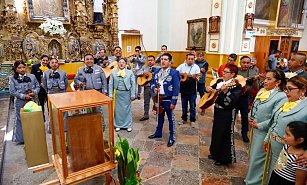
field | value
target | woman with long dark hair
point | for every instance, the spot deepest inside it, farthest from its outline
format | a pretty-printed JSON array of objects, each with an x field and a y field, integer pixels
[
  {"x": 269, "y": 98},
  {"x": 23, "y": 87},
  {"x": 293, "y": 110}
]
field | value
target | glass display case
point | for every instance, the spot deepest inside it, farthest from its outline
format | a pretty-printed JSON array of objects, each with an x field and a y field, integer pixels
[{"x": 82, "y": 135}]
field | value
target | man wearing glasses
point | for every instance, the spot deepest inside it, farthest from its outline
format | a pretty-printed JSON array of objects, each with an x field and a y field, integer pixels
[{"x": 138, "y": 61}]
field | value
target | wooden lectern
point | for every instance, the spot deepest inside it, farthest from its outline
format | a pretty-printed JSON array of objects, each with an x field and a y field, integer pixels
[{"x": 79, "y": 152}]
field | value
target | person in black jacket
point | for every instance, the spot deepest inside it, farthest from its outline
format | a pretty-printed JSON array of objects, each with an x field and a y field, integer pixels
[
  {"x": 38, "y": 70},
  {"x": 222, "y": 148}
]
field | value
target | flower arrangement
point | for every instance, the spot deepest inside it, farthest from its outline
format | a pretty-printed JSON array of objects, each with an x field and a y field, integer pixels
[
  {"x": 53, "y": 27},
  {"x": 128, "y": 163}
]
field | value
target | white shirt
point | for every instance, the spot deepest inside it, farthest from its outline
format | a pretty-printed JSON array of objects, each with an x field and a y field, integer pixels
[
  {"x": 190, "y": 70},
  {"x": 162, "y": 76},
  {"x": 220, "y": 84},
  {"x": 98, "y": 6}
]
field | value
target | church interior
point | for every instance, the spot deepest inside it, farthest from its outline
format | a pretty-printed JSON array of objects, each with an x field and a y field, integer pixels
[{"x": 77, "y": 136}]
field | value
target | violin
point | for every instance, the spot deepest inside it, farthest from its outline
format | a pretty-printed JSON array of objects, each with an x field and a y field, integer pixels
[{"x": 157, "y": 103}]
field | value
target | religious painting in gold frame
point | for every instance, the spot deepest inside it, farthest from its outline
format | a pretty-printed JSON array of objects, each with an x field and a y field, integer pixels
[
  {"x": 39, "y": 10},
  {"x": 197, "y": 29},
  {"x": 249, "y": 21},
  {"x": 214, "y": 24}
]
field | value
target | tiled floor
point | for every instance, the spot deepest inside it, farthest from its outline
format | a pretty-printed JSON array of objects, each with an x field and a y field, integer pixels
[{"x": 186, "y": 163}]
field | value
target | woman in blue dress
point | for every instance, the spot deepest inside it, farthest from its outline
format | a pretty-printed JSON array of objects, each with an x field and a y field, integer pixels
[
  {"x": 293, "y": 110},
  {"x": 271, "y": 97},
  {"x": 122, "y": 90}
]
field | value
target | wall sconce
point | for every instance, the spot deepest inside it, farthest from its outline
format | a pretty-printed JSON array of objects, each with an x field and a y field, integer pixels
[{"x": 249, "y": 21}]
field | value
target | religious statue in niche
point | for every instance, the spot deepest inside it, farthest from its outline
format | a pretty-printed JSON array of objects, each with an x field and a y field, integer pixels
[
  {"x": 74, "y": 48},
  {"x": 54, "y": 48},
  {"x": 214, "y": 24},
  {"x": 249, "y": 21},
  {"x": 98, "y": 46},
  {"x": 30, "y": 47}
]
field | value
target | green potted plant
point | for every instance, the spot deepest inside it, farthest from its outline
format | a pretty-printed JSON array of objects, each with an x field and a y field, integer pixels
[{"x": 128, "y": 162}]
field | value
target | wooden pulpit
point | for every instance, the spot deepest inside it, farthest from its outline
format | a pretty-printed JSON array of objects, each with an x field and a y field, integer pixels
[{"x": 79, "y": 149}]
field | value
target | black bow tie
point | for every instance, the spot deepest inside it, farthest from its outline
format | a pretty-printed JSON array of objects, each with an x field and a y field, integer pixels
[
  {"x": 88, "y": 70},
  {"x": 23, "y": 79},
  {"x": 54, "y": 75}
]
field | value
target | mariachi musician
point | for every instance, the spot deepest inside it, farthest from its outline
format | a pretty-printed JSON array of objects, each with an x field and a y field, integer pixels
[
  {"x": 188, "y": 88},
  {"x": 166, "y": 84},
  {"x": 146, "y": 71},
  {"x": 54, "y": 81},
  {"x": 222, "y": 148},
  {"x": 37, "y": 70},
  {"x": 23, "y": 87},
  {"x": 243, "y": 102},
  {"x": 138, "y": 60}
]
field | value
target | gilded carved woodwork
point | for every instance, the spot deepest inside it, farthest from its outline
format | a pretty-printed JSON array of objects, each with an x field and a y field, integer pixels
[{"x": 21, "y": 38}]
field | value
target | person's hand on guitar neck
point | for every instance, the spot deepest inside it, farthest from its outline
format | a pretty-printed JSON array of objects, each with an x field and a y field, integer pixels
[{"x": 209, "y": 89}]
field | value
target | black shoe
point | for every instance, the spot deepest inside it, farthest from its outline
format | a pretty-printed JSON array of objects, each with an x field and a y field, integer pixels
[
  {"x": 170, "y": 142},
  {"x": 19, "y": 143},
  {"x": 143, "y": 119},
  {"x": 138, "y": 98},
  {"x": 210, "y": 157},
  {"x": 245, "y": 138},
  {"x": 155, "y": 135},
  {"x": 219, "y": 163}
]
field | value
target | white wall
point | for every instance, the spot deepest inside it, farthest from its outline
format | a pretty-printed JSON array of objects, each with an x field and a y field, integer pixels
[
  {"x": 303, "y": 42},
  {"x": 140, "y": 15},
  {"x": 161, "y": 21}
]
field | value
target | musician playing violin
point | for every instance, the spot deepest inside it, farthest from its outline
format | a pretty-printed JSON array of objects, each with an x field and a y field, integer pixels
[
  {"x": 243, "y": 104},
  {"x": 146, "y": 70},
  {"x": 166, "y": 83},
  {"x": 188, "y": 88},
  {"x": 222, "y": 148}
]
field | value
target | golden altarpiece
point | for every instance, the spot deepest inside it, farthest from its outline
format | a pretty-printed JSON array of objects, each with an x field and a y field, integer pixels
[{"x": 21, "y": 37}]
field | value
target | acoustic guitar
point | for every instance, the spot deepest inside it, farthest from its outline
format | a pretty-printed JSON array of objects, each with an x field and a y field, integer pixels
[
  {"x": 209, "y": 98},
  {"x": 144, "y": 79},
  {"x": 108, "y": 69},
  {"x": 183, "y": 77}
]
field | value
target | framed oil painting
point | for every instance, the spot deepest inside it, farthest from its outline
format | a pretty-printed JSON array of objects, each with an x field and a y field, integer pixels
[
  {"x": 197, "y": 33},
  {"x": 39, "y": 10}
]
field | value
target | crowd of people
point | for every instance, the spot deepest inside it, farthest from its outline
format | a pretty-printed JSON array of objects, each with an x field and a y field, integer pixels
[{"x": 272, "y": 109}]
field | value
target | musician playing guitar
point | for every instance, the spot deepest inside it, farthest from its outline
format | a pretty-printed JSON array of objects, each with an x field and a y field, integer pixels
[
  {"x": 145, "y": 71},
  {"x": 243, "y": 103},
  {"x": 169, "y": 80},
  {"x": 138, "y": 60},
  {"x": 222, "y": 148},
  {"x": 188, "y": 88}
]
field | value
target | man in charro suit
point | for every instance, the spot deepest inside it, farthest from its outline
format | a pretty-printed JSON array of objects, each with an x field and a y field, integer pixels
[
  {"x": 145, "y": 70},
  {"x": 38, "y": 70},
  {"x": 91, "y": 76},
  {"x": 166, "y": 83}
]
